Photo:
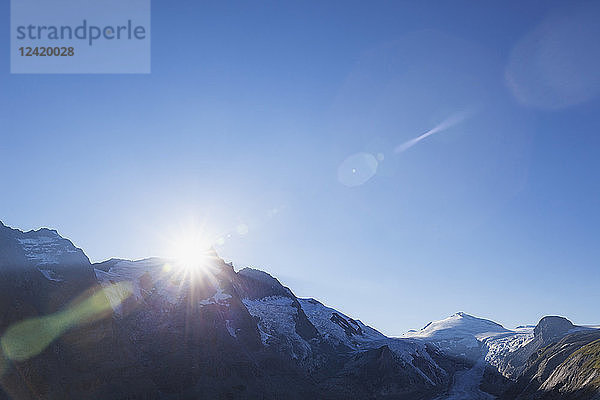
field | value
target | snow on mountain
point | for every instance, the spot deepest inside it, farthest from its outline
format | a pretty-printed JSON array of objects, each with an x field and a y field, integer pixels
[
  {"x": 47, "y": 248},
  {"x": 240, "y": 320},
  {"x": 276, "y": 318},
  {"x": 281, "y": 321},
  {"x": 337, "y": 327},
  {"x": 462, "y": 335},
  {"x": 161, "y": 277},
  {"x": 498, "y": 348},
  {"x": 115, "y": 270},
  {"x": 308, "y": 331},
  {"x": 459, "y": 326},
  {"x": 43, "y": 250},
  {"x": 220, "y": 297},
  {"x": 280, "y": 314}
]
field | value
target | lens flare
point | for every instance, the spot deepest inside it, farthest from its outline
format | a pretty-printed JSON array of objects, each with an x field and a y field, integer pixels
[
  {"x": 26, "y": 339},
  {"x": 357, "y": 169}
]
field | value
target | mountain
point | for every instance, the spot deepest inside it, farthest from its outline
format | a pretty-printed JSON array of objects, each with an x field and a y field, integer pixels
[
  {"x": 154, "y": 329},
  {"x": 511, "y": 360},
  {"x": 460, "y": 334},
  {"x": 253, "y": 313},
  {"x": 458, "y": 327},
  {"x": 174, "y": 332},
  {"x": 568, "y": 368},
  {"x": 553, "y": 359},
  {"x": 53, "y": 327}
]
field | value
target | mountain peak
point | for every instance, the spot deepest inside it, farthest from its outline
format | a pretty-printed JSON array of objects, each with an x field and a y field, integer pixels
[
  {"x": 459, "y": 324},
  {"x": 256, "y": 274},
  {"x": 263, "y": 284},
  {"x": 551, "y": 327},
  {"x": 46, "y": 232},
  {"x": 43, "y": 248}
]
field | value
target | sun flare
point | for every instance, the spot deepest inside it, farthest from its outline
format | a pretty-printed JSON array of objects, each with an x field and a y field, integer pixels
[{"x": 189, "y": 251}]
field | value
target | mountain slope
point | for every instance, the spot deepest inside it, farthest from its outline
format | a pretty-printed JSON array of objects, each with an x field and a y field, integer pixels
[
  {"x": 512, "y": 361},
  {"x": 339, "y": 328},
  {"x": 568, "y": 369},
  {"x": 44, "y": 284},
  {"x": 579, "y": 373}
]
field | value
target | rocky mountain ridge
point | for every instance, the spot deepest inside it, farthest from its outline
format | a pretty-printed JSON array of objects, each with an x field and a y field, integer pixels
[{"x": 152, "y": 329}]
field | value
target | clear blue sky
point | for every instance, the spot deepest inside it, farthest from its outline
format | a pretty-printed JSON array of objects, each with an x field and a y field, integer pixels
[{"x": 252, "y": 107}]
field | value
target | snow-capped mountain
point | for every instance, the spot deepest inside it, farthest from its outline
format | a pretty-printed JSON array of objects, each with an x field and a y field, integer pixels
[
  {"x": 303, "y": 331},
  {"x": 501, "y": 355},
  {"x": 43, "y": 249},
  {"x": 339, "y": 328},
  {"x": 459, "y": 326},
  {"x": 142, "y": 275},
  {"x": 213, "y": 331},
  {"x": 461, "y": 334},
  {"x": 505, "y": 349}
]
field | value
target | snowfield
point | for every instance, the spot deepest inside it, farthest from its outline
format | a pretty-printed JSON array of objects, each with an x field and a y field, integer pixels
[
  {"x": 458, "y": 327},
  {"x": 46, "y": 249},
  {"x": 321, "y": 317},
  {"x": 341, "y": 329}
]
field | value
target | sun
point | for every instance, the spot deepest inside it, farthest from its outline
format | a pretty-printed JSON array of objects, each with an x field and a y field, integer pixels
[
  {"x": 190, "y": 254},
  {"x": 191, "y": 266},
  {"x": 190, "y": 250}
]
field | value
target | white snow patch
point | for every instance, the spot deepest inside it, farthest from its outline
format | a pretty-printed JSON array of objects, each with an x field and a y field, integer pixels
[
  {"x": 132, "y": 272},
  {"x": 498, "y": 348},
  {"x": 230, "y": 328},
  {"x": 46, "y": 250},
  {"x": 277, "y": 325},
  {"x": 320, "y": 316},
  {"x": 276, "y": 315},
  {"x": 218, "y": 298}
]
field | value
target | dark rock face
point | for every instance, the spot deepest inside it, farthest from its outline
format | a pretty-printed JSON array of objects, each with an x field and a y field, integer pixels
[
  {"x": 494, "y": 383},
  {"x": 552, "y": 328},
  {"x": 579, "y": 374},
  {"x": 567, "y": 369},
  {"x": 41, "y": 274},
  {"x": 380, "y": 373},
  {"x": 349, "y": 326}
]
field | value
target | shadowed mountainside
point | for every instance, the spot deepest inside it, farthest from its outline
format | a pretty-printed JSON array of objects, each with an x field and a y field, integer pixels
[{"x": 153, "y": 329}]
